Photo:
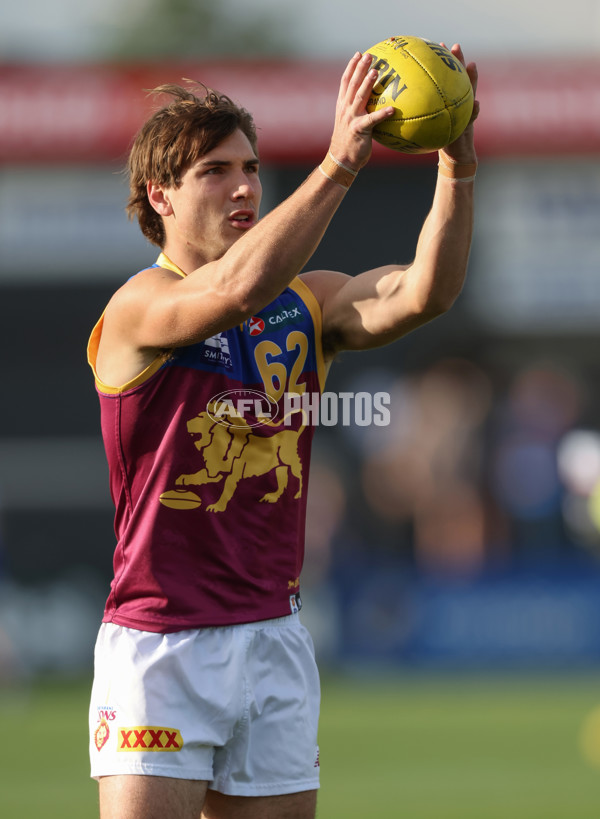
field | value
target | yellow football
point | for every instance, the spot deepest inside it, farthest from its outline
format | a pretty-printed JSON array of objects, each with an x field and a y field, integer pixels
[
  {"x": 429, "y": 89},
  {"x": 180, "y": 499}
]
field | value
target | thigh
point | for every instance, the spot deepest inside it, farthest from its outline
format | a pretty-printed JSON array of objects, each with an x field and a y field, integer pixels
[
  {"x": 150, "y": 797},
  {"x": 291, "y": 806}
]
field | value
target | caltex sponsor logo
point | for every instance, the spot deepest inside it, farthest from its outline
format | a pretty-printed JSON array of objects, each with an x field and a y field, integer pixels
[{"x": 278, "y": 317}]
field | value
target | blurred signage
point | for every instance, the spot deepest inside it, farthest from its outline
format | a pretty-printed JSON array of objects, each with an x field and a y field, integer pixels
[
  {"x": 53, "y": 113},
  {"x": 537, "y": 246},
  {"x": 518, "y": 620},
  {"x": 54, "y": 222}
]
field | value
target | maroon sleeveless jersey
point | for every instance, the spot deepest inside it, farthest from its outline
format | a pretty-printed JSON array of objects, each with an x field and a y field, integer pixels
[{"x": 208, "y": 452}]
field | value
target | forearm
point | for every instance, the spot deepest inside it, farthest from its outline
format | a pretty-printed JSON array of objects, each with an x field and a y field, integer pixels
[
  {"x": 264, "y": 261},
  {"x": 437, "y": 274},
  {"x": 444, "y": 244},
  {"x": 385, "y": 303}
]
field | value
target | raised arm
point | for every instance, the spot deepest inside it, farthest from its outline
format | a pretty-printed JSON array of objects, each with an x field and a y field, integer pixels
[
  {"x": 380, "y": 305},
  {"x": 158, "y": 309}
]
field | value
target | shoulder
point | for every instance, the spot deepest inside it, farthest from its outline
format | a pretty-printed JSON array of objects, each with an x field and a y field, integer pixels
[
  {"x": 131, "y": 302},
  {"x": 324, "y": 284},
  {"x": 141, "y": 285},
  {"x": 150, "y": 276}
]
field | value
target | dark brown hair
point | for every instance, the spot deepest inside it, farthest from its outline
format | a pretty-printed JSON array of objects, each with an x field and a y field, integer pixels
[{"x": 172, "y": 139}]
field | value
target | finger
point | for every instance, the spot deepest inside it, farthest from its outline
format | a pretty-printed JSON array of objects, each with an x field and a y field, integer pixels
[
  {"x": 364, "y": 91},
  {"x": 358, "y": 77},
  {"x": 473, "y": 75},
  {"x": 348, "y": 73},
  {"x": 367, "y": 122},
  {"x": 458, "y": 52},
  {"x": 471, "y": 69}
]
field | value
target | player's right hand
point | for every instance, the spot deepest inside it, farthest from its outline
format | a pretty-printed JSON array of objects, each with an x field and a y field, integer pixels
[{"x": 351, "y": 141}]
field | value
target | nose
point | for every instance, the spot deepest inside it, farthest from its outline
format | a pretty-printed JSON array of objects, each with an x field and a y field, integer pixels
[
  {"x": 242, "y": 192},
  {"x": 243, "y": 188}
]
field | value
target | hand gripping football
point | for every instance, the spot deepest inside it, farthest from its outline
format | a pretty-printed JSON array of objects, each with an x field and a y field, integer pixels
[{"x": 429, "y": 89}]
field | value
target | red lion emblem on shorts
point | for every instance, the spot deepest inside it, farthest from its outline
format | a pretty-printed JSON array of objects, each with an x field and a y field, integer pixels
[{"x": 101, "y": 734}]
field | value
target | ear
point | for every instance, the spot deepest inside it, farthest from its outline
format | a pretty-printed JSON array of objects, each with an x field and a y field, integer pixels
[{"x": 159, "y": 199}]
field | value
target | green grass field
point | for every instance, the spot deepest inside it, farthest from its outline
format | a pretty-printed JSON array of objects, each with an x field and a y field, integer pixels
[{"x": 421, "y": 747}]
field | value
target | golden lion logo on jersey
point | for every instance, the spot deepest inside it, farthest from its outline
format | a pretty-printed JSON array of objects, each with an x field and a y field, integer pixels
[{"x": 234, "y": 453}]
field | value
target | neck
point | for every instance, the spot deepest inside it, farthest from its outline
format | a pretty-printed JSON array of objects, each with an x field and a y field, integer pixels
[{"x": 186, "y": 259}]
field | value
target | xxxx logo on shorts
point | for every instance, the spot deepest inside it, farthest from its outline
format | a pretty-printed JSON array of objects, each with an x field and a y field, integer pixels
[{"x": 149, "y": 738}]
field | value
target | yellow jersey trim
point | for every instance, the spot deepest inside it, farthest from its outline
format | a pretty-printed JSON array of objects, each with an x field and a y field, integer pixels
[
  {"x": 92, "y": 357},
  {"x": 94, "y": 343},
  {"x": 308, "y": 297},
  {"x": 164, "y": 261}
]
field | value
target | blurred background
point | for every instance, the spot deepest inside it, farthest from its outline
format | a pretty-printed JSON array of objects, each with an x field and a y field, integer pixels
[{"x": 465, "y": 536}]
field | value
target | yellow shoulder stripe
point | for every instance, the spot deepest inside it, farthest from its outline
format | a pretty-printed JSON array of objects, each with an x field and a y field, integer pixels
[
  {"x": 314, "y": 308},
  {"x": 94, "y": 342}
]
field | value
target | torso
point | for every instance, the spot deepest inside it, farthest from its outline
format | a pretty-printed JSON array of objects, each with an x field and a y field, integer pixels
[{"x": 210, "y": 515}]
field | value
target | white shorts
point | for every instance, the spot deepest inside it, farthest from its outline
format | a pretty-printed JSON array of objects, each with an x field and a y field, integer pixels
[{"x": 237, "y": 706}]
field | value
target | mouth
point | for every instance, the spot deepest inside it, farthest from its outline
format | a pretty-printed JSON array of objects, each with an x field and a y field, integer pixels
[{"x": 242, "y": 219}]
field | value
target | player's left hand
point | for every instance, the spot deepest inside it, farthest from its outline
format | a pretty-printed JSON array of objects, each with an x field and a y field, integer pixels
[{"x": 462, "y": 150}]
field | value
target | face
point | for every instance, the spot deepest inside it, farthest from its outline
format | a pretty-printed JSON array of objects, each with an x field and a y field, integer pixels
[{"x": 217, "y": 202}]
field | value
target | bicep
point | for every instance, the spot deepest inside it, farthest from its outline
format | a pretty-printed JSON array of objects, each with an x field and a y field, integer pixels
[
  {"x": 362, "y": 311},
  {"x": 158, "y": 309}
]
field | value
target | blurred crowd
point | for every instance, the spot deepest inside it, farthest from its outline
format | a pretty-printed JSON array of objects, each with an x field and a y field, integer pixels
[{"x": 469, "y": 477}]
